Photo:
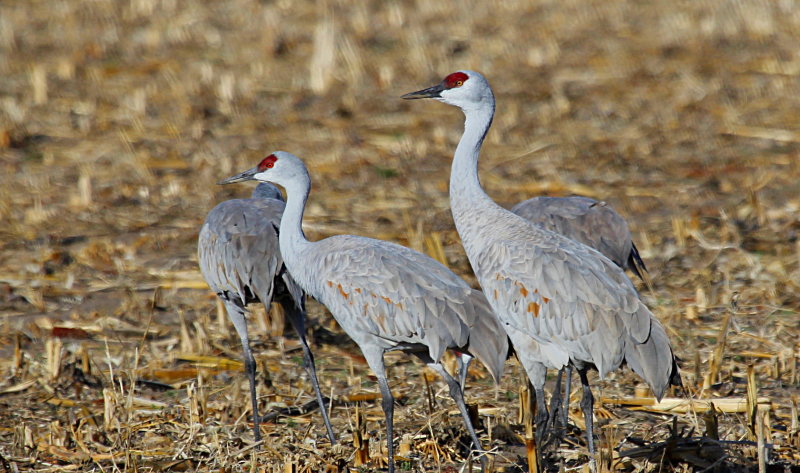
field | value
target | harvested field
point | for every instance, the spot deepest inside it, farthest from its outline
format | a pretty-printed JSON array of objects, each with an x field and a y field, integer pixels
[{"x": 118, "y": 117}]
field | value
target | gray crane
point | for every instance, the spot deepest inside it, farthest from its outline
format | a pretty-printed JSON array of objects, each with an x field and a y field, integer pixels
[
  {"x": 588, "y": 221},
  {"x": 240, "y": 260},
  {"x": 384, "y": 296},
  {"x": 561, "y": 302}
]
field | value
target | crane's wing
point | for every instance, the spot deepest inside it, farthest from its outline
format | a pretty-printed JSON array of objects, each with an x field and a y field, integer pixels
[
  {"x": 575, "y": 302},
  {"x": 400, "y": 296},
  {"x": 238, "y": 248}
]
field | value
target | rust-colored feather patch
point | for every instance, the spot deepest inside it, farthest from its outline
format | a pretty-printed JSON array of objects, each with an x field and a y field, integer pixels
[{"x": 534, "y": 308}]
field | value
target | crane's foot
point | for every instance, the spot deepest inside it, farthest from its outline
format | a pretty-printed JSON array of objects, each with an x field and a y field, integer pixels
[{"x": 292, "y": 411}]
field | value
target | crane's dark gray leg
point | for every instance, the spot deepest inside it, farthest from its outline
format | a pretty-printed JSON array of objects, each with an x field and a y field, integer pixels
[
  {"x": 458, "y": 397},
  {"x": 462, "y": 361},
  {"x": 236, "y": 314},
  {"x": 297, "y": 318},
  {"x": 374, "y": 358},
  {"x": 537, "y": 374},
  {"x": 568, "y": 384},
  {"x": 555, "y": 401},
  {"x": 556, "y": 407},
  {"x": 541, "y": 415},
  {"x": 587, "y": 404}
]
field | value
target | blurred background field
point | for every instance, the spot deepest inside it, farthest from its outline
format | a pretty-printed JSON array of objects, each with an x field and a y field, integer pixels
[{"x": 118, "y": 117}]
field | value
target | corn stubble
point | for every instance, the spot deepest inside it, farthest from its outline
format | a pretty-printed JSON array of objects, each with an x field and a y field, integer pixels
[{"x": 117, "y": 118}]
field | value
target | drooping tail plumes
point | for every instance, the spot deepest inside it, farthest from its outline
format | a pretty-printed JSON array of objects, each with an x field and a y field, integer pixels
[
  {"x": 648, "y": 360},
  {"x": 488, "y": 341}
]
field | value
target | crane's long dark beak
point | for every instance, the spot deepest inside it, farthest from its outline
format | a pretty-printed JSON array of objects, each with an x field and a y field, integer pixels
[
  {"x": 245, "y": 176},
  {"x": 429, "y": 93}
]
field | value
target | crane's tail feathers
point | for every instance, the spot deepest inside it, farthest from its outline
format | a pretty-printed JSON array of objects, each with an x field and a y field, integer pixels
[
  {"x": 294, "y": 289},
  {"x": 488, "y": 341},
  {"x": 635, "y": 262},
  {"x": 653, "y": 360},
  {"x": 636, "y": 265}
]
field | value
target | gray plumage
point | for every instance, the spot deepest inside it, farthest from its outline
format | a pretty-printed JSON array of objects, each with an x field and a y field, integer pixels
[
  {"x": 389, "y": 297},
  {"x": 240, "y": 259},
  {"x": 569, "y": 299},
  {"x": 384, "y": 296},
  {"x": 595, "y": 224},
  {"x": 588, "y": 221},
  {"x": 560, "y": 301}
]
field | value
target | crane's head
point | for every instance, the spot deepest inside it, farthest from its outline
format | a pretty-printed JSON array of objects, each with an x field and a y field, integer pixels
[
  {"x": 464, "y": 89},
  {"x": 280, "y": 168}
]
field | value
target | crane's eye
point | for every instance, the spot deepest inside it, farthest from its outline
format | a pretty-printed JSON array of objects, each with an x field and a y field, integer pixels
[
  {"x": 267, "y": 163},
  {"x": 454, "y": 80}
]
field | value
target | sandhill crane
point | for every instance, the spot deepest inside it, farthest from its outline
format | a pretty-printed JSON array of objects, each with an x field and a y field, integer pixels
[
  {"x": 560, "y": 301},
  {"x": 384, "y": 296},
  {"x": 588, "y": 221},
  {"x": 241, "y": 262}
]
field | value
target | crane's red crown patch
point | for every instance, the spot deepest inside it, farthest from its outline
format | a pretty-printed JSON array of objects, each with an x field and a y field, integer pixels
[
  {"x": 455, "y": 79},
  {"x": 267, "y": 163}
]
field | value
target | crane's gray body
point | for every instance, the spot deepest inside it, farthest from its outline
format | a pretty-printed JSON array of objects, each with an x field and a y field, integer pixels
[
  {"x": 585, "y": 220},
  {"x": 588, "y": 221},
  {"x": 389, "y": 297},
  {"x": 240, "y": 259},
  {"x": 561, "y": 300}
]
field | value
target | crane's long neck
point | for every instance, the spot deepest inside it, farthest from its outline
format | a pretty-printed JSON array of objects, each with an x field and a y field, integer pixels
[
  {"x": 293, "y": 242},
  {"x": 466, "y": 194}
]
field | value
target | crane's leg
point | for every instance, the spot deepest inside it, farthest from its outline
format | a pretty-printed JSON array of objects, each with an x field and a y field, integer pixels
[
  {"x": 541, "y": 415},
  {"x": 537, "y": 374},
  {"x": 587, "y": 404},
  {"x": 568, "y": 385},
  {"x": 297, "y": 318},
  {"x": 236, "y": 314},
  {"x": 556, "y": 407},
  {"x": 555, "y": 401},
  {"x": 463, "y": 360},
  {"x": 374, "y": 356},
  {"x": 458, "y": 397}
]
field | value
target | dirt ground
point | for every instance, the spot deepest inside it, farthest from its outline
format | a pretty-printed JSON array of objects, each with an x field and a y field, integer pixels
[{"x": 118, "y": 117}]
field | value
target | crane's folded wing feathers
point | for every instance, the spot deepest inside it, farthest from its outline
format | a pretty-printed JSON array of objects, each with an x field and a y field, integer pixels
[
  {"x": 397, "y": 294},
  {"x": 567, "y": 296}
]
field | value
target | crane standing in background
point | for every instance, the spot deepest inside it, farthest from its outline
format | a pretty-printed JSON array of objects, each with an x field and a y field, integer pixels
[
  {"x": 588, "y": 221},
  {"x": 241, "y": 261}
]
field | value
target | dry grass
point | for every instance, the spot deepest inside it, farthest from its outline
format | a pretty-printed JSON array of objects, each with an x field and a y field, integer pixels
[{"x": 117, "y": 118}]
